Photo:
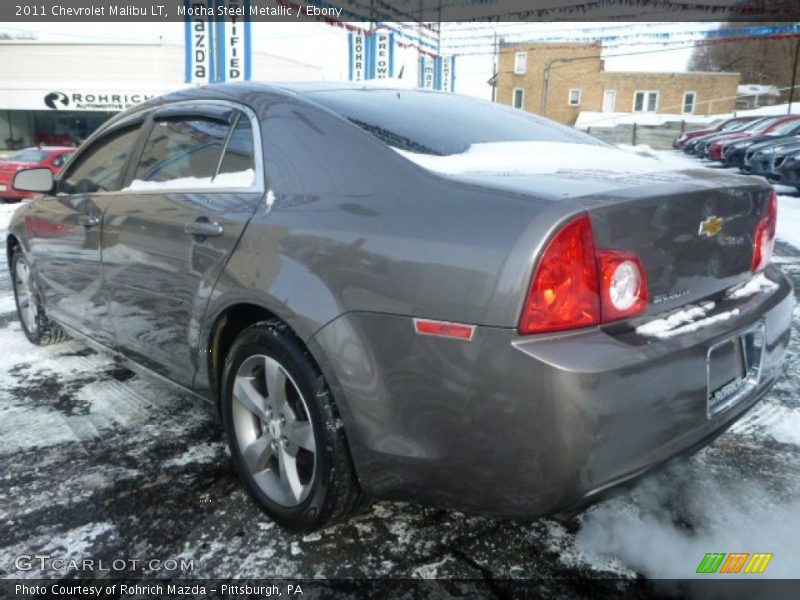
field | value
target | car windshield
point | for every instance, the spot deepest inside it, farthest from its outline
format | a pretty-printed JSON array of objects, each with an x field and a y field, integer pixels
[
  {"x": 29, "y": 155},
  {"x": 441, "y": 124}
]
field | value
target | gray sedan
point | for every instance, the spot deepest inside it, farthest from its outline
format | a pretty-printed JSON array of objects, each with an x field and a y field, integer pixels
[{"x": 407, "y": 294}]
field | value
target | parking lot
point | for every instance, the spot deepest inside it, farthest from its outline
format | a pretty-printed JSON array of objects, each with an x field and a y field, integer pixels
[{"x": 98, "y": 462}]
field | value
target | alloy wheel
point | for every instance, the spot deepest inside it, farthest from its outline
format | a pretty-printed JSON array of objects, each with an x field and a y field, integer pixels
[
  {"x": 273, "y": 430},
  {"x": 26, "y": 300}
]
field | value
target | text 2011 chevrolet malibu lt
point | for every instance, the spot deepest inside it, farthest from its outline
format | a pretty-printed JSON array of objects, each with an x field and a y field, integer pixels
[{"x": 409, "y": 294}]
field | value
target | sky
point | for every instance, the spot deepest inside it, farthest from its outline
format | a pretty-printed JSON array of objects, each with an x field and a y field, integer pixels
[{"x": 326, "y": 46}]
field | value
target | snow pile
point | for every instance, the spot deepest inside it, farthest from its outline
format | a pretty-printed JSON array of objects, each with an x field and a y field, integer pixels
[
  {"x": 241, "y": 179},
  {"x": 754, "y": 286},
  {"x": 723, "y": 517},
  {"x": 535, "y": 158},
  {"x": 596, "y": 119},
  {"x": 686, "y": 320}
]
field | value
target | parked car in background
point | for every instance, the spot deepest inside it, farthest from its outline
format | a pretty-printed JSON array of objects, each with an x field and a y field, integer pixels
[
  {"x": 712, "y": 148},
  {"x": 51, "y": 157},
  {"x": 788, "y": 171},
  {"x": 407, "y": 294},
  {"x": 789, "y": 128},
  {"x": 765, "y": 160},
  {"x": 694, "y": 146},
  {"x": 727, "y": 125},
  {"x": 734, "y": 153}
]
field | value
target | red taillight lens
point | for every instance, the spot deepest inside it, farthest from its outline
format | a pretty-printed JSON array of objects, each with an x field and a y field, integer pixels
[
  {"x": 563, "y": 293},
  {"x": 764, "y": 239},
  {"x": 576, "y": 286},
  {"x": 623, "y": 285}
]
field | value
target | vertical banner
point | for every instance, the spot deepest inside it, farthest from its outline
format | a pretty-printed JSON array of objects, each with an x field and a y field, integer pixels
[
  {"x": 233, "y": 41},
  {"x": 426, "y": 67},
  {"x": 199, "y": 44},
  {"x": 447, "y": 78},
  {"x": 358, "y": 56},
  {"x": 383, "y": 53}
]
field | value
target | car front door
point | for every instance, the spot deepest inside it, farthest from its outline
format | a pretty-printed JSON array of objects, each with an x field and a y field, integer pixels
[
  {"x": 66, "y": 232},
  {"x": 167, "y": 237}
]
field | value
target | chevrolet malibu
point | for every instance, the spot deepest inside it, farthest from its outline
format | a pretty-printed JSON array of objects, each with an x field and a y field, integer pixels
[{"x": 409, "y": 295}]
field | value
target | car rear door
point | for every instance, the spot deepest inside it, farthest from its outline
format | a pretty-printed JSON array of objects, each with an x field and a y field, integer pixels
[
  {"x": 186, "y": 201},
  {"x": 66, "y": 229}
]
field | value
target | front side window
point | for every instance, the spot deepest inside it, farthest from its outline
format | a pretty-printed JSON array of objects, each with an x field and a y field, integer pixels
[
  {"x": 574, "y": 97},
  {"x": 196, "y": 153},
  {"x": 689, "y": 100},
  {"x": 101, "y": 167},
  {"x": 519, "y": 98},
  {"x": 520, "y": 63}
]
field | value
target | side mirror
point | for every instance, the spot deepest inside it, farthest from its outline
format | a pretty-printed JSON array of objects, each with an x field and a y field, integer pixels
[{"x": 39, "y": 179}]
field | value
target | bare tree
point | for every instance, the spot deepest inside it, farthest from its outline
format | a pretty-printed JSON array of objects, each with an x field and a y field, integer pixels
[{"x": 759, "y": 60}]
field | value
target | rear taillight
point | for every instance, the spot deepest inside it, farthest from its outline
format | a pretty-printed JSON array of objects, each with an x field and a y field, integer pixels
[
  {"x": 764, "y": 239},
  {"x": 623, "y": 285},
  {"x": 574, "y": 285}
]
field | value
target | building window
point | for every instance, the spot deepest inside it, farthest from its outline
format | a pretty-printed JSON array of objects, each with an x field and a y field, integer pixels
[
  {"x": 520, "y": 63},
  {"x": 574, "y": 97},
  {"x": 519, "y": 98},
  {"x": 689, "y": 101},
  {"x": 646, "y": 101}
]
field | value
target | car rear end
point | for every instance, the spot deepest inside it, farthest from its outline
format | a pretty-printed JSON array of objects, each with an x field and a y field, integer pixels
[
  {"x": 648, "y": 321},
  {"x": 651, "y": 324}
]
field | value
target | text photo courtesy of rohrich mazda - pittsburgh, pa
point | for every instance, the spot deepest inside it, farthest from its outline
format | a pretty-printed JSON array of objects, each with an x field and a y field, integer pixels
[{"x": 400, "y": 299}]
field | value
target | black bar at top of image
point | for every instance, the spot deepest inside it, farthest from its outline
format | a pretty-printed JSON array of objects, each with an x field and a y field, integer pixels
[{"x": 15, "y": 11}]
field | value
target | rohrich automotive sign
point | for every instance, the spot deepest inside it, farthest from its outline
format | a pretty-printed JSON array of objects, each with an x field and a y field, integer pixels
[{"x": 66, "y": 99}]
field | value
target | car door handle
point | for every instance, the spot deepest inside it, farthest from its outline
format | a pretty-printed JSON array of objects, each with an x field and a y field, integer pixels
[
  {"x": 203, "y": 228},
  {"x": 88, "y": 220}
]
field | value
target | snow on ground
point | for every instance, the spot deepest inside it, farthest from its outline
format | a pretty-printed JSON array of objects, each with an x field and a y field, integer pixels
[{"x": 596, "y": 119}]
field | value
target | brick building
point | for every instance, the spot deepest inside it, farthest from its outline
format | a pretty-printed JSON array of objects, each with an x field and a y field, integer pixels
[{"x": 577, "y": 81}]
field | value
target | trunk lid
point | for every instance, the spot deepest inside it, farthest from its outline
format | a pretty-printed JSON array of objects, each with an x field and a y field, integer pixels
[
  {"x": 692, "y": 228},
  {"x": 693, "y": 243}
]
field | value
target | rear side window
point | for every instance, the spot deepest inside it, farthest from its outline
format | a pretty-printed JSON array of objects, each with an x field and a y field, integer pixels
[
  {"x": 196, "y": 153},
  {"x": 101, "y": 167}
]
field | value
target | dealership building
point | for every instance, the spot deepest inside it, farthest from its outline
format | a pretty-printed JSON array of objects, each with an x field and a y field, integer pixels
[{"x": 59, "y": 93}]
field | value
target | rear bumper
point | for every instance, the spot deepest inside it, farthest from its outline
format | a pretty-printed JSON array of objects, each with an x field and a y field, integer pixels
[{"x": 527, "y": 426}]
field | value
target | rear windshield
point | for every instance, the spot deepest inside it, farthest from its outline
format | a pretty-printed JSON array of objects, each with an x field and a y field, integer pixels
[
  {"x": 30, "y": 155},
  {"x": 441, "y": 124}
]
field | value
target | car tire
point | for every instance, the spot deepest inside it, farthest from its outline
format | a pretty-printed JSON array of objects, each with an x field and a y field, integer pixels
[
  {"x": 37, "y": 327},
  {"x": 285, "y": 436}
]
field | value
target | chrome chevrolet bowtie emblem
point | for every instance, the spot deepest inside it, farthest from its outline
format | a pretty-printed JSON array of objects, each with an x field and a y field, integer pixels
[{"x": 711, "y": 226}]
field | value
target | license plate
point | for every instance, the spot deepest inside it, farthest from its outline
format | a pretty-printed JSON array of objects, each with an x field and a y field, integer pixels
[
  {"x": 3, "y": 187},
  {"x": 734, "y": 369}
]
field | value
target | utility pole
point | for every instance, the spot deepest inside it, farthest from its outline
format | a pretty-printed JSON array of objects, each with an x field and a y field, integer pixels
[
  {"x": 548, "y": 63},
  {"x": 794, "y": 75},
  {"x": 495, "y": 68}
]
